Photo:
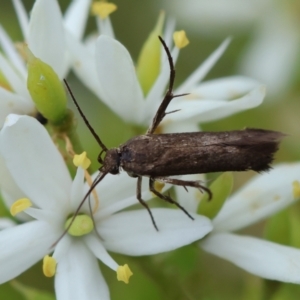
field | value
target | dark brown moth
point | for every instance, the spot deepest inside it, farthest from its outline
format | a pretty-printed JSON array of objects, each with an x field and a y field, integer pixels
[{"x": 159, "y": 156}]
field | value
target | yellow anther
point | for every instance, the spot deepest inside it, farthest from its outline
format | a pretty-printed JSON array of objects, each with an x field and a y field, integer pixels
[
  {"x": 159, "y": 186},
  {"x": 49, "y": 266},
  {"x": 81, "y": 160},
  {"x": 180, "y": 39},
  {"x": 82, "y": 224},
  {"x": 296, "y": 189},
  {"x": 103, "y": 9},
  {"x": 20, "y": 205},
  {"x": 124, "y": 273}
]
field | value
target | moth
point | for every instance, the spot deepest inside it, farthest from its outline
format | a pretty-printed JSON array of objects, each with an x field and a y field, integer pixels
[{"x": 159, "y": 156}]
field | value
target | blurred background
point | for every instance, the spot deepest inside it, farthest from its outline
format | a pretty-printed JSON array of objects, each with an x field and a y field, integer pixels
[{"x": 265, "y": 46}]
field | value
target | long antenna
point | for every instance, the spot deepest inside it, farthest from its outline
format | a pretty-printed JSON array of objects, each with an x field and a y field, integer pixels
[
  {"x": 85, "y": 119},
  {"x": 99, "y": 177}
]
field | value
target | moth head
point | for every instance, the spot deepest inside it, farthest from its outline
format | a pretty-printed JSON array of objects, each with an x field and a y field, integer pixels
[{"x": 111, "y": 162}]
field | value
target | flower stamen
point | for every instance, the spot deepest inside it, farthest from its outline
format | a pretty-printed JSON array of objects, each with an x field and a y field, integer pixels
[
  {"x": 20, "y": 205},
  {"x": 124, "y": 273},
  {"x": 49, "y": 266},
  {"x": 81, "y": 160},
  {"x": 180, "y": 39},
  {"x": 103, "y": 9}
]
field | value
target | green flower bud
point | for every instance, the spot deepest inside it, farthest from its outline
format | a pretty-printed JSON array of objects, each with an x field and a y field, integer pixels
[
  {"x": 46, "y": 89},
  {"x": 221, "y": 188},
  {"x": 148, "y": 66}
]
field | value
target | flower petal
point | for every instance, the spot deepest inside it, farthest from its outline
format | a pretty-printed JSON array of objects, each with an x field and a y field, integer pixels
[
  {"x": 22, "y": 246},
  {"x": 78, "y": 276},
  {"x": 262, "y": 258},
  {"x": 75, "y": 17},
  {"x": 9, "y": 190},
  {"x": 263, "y": 196},
  {"x": 35, "y": 163},
  {"x": 276, "y": 30},
  {"x": 203, "y": 69},
  {"x": 22, "y": 16},
  {"x": 133, "y": 233},
  {"x": 46, "y": 34},
  {"x": 117, "y": 77},
  {"x": 10, "y": 51},
  {"x": 13, "y": 103},
  {"x": 209, "y": 110}
]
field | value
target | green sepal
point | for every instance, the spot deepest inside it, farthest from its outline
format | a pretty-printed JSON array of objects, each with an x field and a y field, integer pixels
[
  {"x": 221, "y": 188},
  {"x": 4, "y": 82},
  {"x": 46, "y": 89},
  {"x": 148, "y": 65}
]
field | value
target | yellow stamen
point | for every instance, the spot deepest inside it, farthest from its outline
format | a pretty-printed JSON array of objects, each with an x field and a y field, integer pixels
[
  {"x": 20, "y": 205},
  {"x": 296, "y": 189},
  {"x": 49, "y": 266},
  {"x": 82, "y": 224},
  {"x": 159, "y": 186},
  {"x": 124, "y": 273},
  {"x": 81, "y": 160},
  {"x": 180, "y": 39},
  {"x": 103, "y": 9}
]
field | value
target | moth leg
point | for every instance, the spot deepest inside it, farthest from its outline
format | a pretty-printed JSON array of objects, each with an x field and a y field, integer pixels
[
  {"x": 161, "y": 112},
  {"x": 185, "y": 183},
  {"x": 139, "y": 197},
  {"x": 166, "y": 197}
]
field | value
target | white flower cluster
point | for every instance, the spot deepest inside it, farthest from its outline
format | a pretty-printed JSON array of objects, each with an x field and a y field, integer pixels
[{"x": 33, "y": 170}]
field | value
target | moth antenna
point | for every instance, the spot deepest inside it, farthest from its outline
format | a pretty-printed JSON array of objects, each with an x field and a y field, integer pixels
[
  {"x": 87, "y": 123},
  {"x": 99, "y": 177},
  {"x": 161, "y": 112}
]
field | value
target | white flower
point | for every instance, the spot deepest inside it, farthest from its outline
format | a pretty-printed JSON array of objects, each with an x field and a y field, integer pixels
[
  {"x": 32, "y": 167},
  {"x": 263, "y": 196},
  {"x": 45, "y": 34},
  {"x": 274, "y": 45},
  {"x": 106, "y": 67}
]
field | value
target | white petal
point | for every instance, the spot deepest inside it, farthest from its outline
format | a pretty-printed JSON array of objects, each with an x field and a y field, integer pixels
[
  {"x": 274, "y": 68},
  {"x": 10, "y": 51},
  {"x": 133, "y": 233},
  {"x": 107, "y": 192},
  {"x": 78, "y": 276},
  {"x": 22, "y": 246},
  {"x": 210, "y": 110},
  {"x": 22, "y": 17},
  {"x": 117, "y": 77},
  {"x": 226, "y": 88},
  {"x": 83, "y": 63},
  {"x": 96, "y": 247},
  {"x": 191, "y": 199},
  {"x": 13, "y": 103},
  {"x": 6, "y": 223},
  {"x": 46, "y": 34},
  {"x": 77, "y": 193},
  {"x": 35, "y": 163},
  {"x": 75, "y": 17},
  {"x": 263, "y": 196},
  {"x": 105, "y": 27},
  {"x": 9, "y": 190},
  {"x": 262, "y": 258},
  {"x": 16, "y": 82},
  {"x": 203, "y": 69},
  {"x": 184, "y": 126}
]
